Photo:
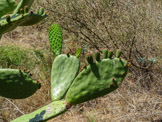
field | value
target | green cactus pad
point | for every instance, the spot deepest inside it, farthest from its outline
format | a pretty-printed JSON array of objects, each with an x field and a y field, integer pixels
[
  {"x": 7, "y": 6},
  {"x": 19, "y": 20},
  {"x": 45, "y": 113},
  {"x": 64, "y": 70},
  {"x": 16, "y": 84},
  {"x": 97, "y": 79},
  {"x": 55, "y": 39}
]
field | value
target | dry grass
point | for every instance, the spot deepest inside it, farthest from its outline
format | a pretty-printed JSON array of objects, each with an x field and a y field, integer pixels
[{"x": 140, "y": 96}]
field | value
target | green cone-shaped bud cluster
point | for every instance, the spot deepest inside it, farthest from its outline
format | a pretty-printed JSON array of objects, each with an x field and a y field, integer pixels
[
  {"x": 98, "y": 79},
  {"x": 17, "y": 84},
  {"x": 55, "y": 39},
  {"x": 64, "y": 70}
]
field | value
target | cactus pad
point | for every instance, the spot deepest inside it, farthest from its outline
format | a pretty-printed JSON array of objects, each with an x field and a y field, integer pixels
[
  {"x": 20, "y": 17},
  {"x": 45, "y": 113},
  {"x": 19, "y": 20},
  {"x": 55, "y": 39},
  {"x": 98, "y": 79},
  {"x": 64, "y": 70},
  {"x": 16, "y": 84}
]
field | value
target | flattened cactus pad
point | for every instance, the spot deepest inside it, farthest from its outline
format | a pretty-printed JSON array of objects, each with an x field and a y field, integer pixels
[
  {"x": 16, "y": 20},
  {"x": 20, "y": 17},
  {"x": 64, "y": 70},
  {"x": 98, "y": 79},
  {"x": 55, "y": 39},
  {"x": 45, "y": 113},
  {"x": 16, "y": 84}
]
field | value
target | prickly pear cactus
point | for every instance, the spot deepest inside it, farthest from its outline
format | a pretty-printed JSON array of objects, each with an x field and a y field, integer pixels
[
  {"x": 64, "y": 70},
  {"x": 98, "y": 79},
  {"x": 45, "y": 113},
  {"x": 55, "y": 39},
  {"x": 20, "y": 17},
  {"x": 17, "y": 84},
  {"x": 11, "y": 21}
]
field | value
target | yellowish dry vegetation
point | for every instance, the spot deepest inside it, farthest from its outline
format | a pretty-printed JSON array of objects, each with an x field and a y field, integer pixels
[{"x": 134, "y": 26}]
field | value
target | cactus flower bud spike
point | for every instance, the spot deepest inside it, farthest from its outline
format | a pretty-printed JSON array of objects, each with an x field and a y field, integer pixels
[
  {"x": 78, "y": 52},
  {"x": 97, "y": 56},
  {"x": 41, "y": 11},
  {"x": 118, "y": 53},
  {"x": 105, "y": 54},
  {"x": 89, "y": 58},
  {"x": 110, "y": 53}
]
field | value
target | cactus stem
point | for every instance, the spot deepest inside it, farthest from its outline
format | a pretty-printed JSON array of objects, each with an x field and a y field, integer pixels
[{"x": 26, "y": 9}]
